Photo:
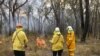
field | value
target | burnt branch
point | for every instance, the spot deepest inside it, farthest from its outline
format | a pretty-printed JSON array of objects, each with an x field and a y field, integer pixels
[{"x": 1, "y": 2}]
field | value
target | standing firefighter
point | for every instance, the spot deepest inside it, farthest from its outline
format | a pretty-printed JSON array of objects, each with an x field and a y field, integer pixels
[
  {"x": 70, "y": 41},
  {"x": 57, "y": 43},
  {"x": 19, "y": 41}
]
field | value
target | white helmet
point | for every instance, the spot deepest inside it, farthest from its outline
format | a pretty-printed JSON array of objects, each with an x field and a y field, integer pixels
[
  {"x": 57, "y": 29},
  {"x": 69, "y": 28}
]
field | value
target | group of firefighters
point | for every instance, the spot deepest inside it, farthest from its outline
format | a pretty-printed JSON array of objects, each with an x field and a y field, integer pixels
[{"x": 19, "y": 41}]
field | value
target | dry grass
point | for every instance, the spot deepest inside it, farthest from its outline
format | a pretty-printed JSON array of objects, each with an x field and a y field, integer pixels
[{"x": 91, "y": 48}]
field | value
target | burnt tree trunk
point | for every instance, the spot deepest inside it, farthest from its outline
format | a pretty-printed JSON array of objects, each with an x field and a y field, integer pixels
[
  {"x": 86, "y": 26},
  {"x": 81, "y": 15}
]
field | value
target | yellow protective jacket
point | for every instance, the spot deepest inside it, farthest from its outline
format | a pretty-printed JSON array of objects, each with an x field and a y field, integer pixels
[
  {"x": 19, "y": 40},
  {"x": 57, "y": 42},
  {"x": 70, "y": 40}
]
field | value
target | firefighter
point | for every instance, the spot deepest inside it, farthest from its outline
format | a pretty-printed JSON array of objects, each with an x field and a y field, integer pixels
[
  {"x": 57, "y": 42},
  {"x": 19, "y": 41},
  {"x": 70, "y": 41}
]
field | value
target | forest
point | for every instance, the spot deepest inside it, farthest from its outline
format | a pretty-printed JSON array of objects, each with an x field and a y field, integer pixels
[{"x": 39, "y": 19}]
